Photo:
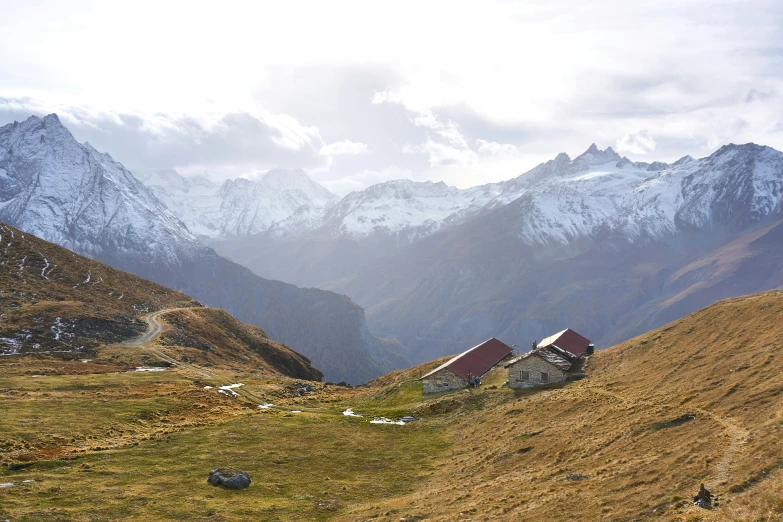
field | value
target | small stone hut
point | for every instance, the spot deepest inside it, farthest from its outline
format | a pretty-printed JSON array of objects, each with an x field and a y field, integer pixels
[
  {"x": 456, "y": 373},
  {"x": 550, "y": 361},
  {"x": 536, "y": 368}
]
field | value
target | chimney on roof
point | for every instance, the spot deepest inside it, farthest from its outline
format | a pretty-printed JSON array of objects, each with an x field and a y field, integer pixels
[
  {"x": 590, "y": 349},
  {"x": 535, "y": 345}
]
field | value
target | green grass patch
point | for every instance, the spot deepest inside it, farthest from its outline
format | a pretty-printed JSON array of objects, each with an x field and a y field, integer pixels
[{"x": 294, "y": 463}]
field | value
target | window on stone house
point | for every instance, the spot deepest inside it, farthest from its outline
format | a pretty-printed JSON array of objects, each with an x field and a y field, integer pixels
[
  {"x": 524, "y": 376},
  {"x": 446, "y": 384},
  {"x": 544, "y": 377}
]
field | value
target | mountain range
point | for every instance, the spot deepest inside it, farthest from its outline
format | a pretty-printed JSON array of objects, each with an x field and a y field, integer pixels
[
  {"x": 72, "y": 195},
  {"x": 237, "y": 207},
  {"x": 606, "y": 245},
  {"x": 600, "y": 243}
]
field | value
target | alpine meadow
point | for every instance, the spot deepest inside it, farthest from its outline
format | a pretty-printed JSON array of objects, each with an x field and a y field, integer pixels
[{"x": 391, "y": 262}]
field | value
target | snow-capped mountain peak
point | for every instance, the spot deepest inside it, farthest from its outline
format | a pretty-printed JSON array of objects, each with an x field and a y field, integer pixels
[
  {"x": 594, "y": 156},
  {"x": 238, "y": 207},
  {"x": 65, "y": 191}
]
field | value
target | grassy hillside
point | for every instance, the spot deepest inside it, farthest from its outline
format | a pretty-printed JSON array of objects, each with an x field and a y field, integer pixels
[
  {"x": 214, "y": 337},
  {"x": 55, "y": 301},
  {"x": 64, "y": 308},
  {"x": 700, "y": 400},
  {"x": 697, "y": 401}
]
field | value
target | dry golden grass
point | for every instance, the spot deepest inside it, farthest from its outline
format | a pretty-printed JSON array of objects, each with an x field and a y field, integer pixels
[
  {"x": 696, "y": 401},
  {"x": 512, "y": 452},
  {"x": 214, "y": 337}
]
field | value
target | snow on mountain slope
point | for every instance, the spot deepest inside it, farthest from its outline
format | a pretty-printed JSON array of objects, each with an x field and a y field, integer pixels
[
  {"x": 562, "y": 200},
  {"x": 66, "y": 192},
  {"x": 598, "y": 192},
  {"x": 239, "y": 207},
  {"x": 404, "y": 205}
]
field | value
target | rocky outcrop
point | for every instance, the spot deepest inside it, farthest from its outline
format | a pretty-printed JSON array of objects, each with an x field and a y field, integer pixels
[{"x": 229, "y": 478}]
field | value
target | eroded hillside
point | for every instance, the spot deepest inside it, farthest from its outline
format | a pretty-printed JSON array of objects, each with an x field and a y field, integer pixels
[{"x": 61, "y": 306}]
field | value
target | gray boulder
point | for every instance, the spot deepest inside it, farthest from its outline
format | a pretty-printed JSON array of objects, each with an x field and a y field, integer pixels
[{"x": 229, "y": 478}]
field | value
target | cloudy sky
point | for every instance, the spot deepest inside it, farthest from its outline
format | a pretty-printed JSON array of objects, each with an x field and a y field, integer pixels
[{"x": 360, "y": 92}]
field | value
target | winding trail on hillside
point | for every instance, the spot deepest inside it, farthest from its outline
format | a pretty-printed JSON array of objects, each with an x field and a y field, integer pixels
[
  {"x": 738, "y": 436},
  {"x": 155, "y": 327}
]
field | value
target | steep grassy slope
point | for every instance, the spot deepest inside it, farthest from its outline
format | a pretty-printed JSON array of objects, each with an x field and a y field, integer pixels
[
  {"x": 697, "y": 401},
  {"x": 59, "y": 304},
  {"x": 53, "y": 300},
  {"x": 210, "y": 336},
  {"x": 700, "y": 400}
]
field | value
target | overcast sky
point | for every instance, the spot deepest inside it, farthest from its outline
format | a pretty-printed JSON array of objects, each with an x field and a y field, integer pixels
[{"x": 360, "y": 92}]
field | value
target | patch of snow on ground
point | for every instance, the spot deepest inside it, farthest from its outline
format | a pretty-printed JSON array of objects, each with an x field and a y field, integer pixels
[
  {"x": 349, "y": 413},
  {"x": 57, "y": 328},
  {"x": 149, "y": 369},
  {"x": 7, "y": 485},
  {"x": 43, "y": 270},
  {"x": 13, "y": 344},
  {"x": 229, "y": 389},
  {"x": 296, "y": 411},
  {"x": 207, "y": 387},
  {"x": 384, "y": 420},
  {"x": 265, "y": 406}
]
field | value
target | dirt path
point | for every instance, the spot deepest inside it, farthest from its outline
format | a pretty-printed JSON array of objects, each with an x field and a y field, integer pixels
[
  {"x": 155, "y": 327},
  {"x": 738, "y": 437}
]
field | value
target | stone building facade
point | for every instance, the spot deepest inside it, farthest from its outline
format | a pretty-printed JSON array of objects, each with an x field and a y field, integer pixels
[
  {"x": 455, "y": 374},
  {"x": 536, "y": 369},
  {"x": 443, "y": 380}
]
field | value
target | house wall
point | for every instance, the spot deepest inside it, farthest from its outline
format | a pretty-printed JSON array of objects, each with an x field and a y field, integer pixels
[
  {"x": 444, "y": 380},
  {"x": 534, "y": 366}
]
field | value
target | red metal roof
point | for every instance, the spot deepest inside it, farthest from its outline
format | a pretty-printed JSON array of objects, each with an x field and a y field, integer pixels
[
  {"x": 478, "y": 360},
  {"x": 567, "y": 340}
]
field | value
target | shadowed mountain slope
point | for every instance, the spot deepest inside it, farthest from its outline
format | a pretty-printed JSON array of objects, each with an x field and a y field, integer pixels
[{"x": 57, "y": 303}]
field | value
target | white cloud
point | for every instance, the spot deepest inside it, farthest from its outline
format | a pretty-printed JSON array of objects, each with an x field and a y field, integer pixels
[
  {"x": 545, "y": 76},
  {"x": 344, "y": 148},
  {"x": 224, "y": 142},
  {"x": 638, "y": 143},
  {"x": 448, "y": 130},
  {"x": 442, "y": 154},
  {"x": 493, "y": 148}
]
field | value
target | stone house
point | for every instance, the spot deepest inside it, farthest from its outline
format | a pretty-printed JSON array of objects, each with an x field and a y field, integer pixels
[
  {"x": 550, "y": 361},
  {"x": 455, "y": 374},
  {"x": 536, "y": 368}
]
